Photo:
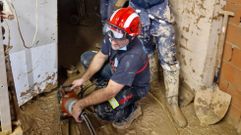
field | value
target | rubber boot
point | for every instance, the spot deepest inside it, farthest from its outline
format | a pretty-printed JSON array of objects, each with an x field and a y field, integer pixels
[
  {"x": 171, "y": 80},
  {"x": 133, "y": 116},
  {"x": 153, "y": 67}
]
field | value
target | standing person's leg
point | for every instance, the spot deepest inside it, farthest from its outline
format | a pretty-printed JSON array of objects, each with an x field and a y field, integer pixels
[
  {"x": 165, "y": 40},
  {"x": 111, "y": 8},
  {"x": 106, "y": 10},
  {"x": 153, "y": 63},
  {"x": 146, "y": 39},
  {"x": 126, "y": 111}
]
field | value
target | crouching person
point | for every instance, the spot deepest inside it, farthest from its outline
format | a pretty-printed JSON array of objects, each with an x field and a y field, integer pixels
[{"x": 123, "y": 64}]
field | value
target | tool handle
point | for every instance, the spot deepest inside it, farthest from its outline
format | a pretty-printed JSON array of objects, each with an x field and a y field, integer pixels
[{"x": 219, "y": 54}]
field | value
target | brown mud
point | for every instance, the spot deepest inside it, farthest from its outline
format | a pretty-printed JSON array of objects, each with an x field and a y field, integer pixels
[{"x": 41, "y": 117}]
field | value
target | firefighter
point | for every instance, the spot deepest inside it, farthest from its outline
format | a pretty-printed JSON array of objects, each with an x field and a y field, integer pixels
[
  {"x": 158, "y": 33},
  {"x": 126, "y": 73}
]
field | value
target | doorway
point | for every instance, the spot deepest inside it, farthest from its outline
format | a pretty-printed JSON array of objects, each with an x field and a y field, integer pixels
[{"x": 79, "y": 30}]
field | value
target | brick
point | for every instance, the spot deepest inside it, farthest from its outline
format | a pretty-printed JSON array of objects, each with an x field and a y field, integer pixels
[
  {"x": 227, "y": 72},
  {"x": 234, "y": 2},
  {"x": 227, "y": 52},
  {"x": 232, "y": 55},
  {"x": 237, "y": 78},
  {"x": 236, "y": 57},
  {"x": 236, "y": 96},
  {"x": 232, "y": 74},
  {"x": 234, "y": 34},
  {"x": 239, "y": 127},
  {"x": 234, "y": 114},
  {"x": 234, "y": 7},
  {"x": 234, "y": 90},
  {"x": 223, "y": 84},
  {"x": 236, "y": 102}
]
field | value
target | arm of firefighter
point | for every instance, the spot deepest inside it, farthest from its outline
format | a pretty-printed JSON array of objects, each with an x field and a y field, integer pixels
[
  {"x": 95, "y": 65},
  {"x": 101, "y": 95},
  {"x": 96, "y": 97}
]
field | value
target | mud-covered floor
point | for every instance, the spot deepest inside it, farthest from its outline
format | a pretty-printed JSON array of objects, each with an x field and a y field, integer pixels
[{"x": 41, "y": 117}]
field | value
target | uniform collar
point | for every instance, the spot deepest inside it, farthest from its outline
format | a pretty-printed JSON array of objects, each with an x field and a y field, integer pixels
[{"x": 123, "y": 48}]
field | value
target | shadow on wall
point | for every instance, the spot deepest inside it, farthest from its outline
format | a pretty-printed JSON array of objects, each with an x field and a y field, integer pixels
[{"x": 79, "y": 29}]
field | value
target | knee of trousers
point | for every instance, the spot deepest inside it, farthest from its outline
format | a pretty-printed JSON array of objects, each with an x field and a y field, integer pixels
[
  {"x": 86, "y": 58},
  {"x": 105, "y": 112}
]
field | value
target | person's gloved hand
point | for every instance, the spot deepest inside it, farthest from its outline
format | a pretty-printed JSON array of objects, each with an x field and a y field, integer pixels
[{"x": 77, "y": 83}]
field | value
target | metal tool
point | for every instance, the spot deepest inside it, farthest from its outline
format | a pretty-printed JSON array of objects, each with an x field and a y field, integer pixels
[
  {"x": 67, "y": 98},
  {"x": 211, "y": 104},
  {"x": 221, "y": 43}
]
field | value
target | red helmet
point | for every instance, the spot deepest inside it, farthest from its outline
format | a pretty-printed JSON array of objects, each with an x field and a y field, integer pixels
[{"x": 126, "y": 20}]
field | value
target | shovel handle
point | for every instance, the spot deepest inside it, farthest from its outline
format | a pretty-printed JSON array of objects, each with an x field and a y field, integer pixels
[{"x": 221, "y": 42}]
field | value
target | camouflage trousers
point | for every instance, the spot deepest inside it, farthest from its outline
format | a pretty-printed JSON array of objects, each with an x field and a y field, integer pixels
[
  {"x": 162, "y": 38},
  {"x": 158, "y": 33},
  {"x": 106, "y": 9}
]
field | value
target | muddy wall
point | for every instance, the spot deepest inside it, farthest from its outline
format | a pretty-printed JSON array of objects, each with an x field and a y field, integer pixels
[
  {"x": 198, "y": 27},
  {"x": 33, "y": 38}
]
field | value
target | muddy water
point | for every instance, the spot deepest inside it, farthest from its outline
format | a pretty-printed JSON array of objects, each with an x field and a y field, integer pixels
[{"x": 41, "y": 117}]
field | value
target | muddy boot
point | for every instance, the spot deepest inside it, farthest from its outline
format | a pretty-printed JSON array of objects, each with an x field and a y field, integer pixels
[
  {"x": 171, "y": 80},
  {"x": 153, "y": 67},
  {"x": 126, "y": 123},
  {"x": 176, "y": 112}
]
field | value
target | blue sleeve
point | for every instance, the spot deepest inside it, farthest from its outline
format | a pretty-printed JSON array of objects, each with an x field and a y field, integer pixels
[
  {"x": 105, "y": 47},
  {"x": 127, "y": 68}
]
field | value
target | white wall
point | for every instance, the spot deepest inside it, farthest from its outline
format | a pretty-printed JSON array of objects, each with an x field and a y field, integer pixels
[
  {"x": 197, "y": 25},
  {"x": 34, "y": 69}
]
